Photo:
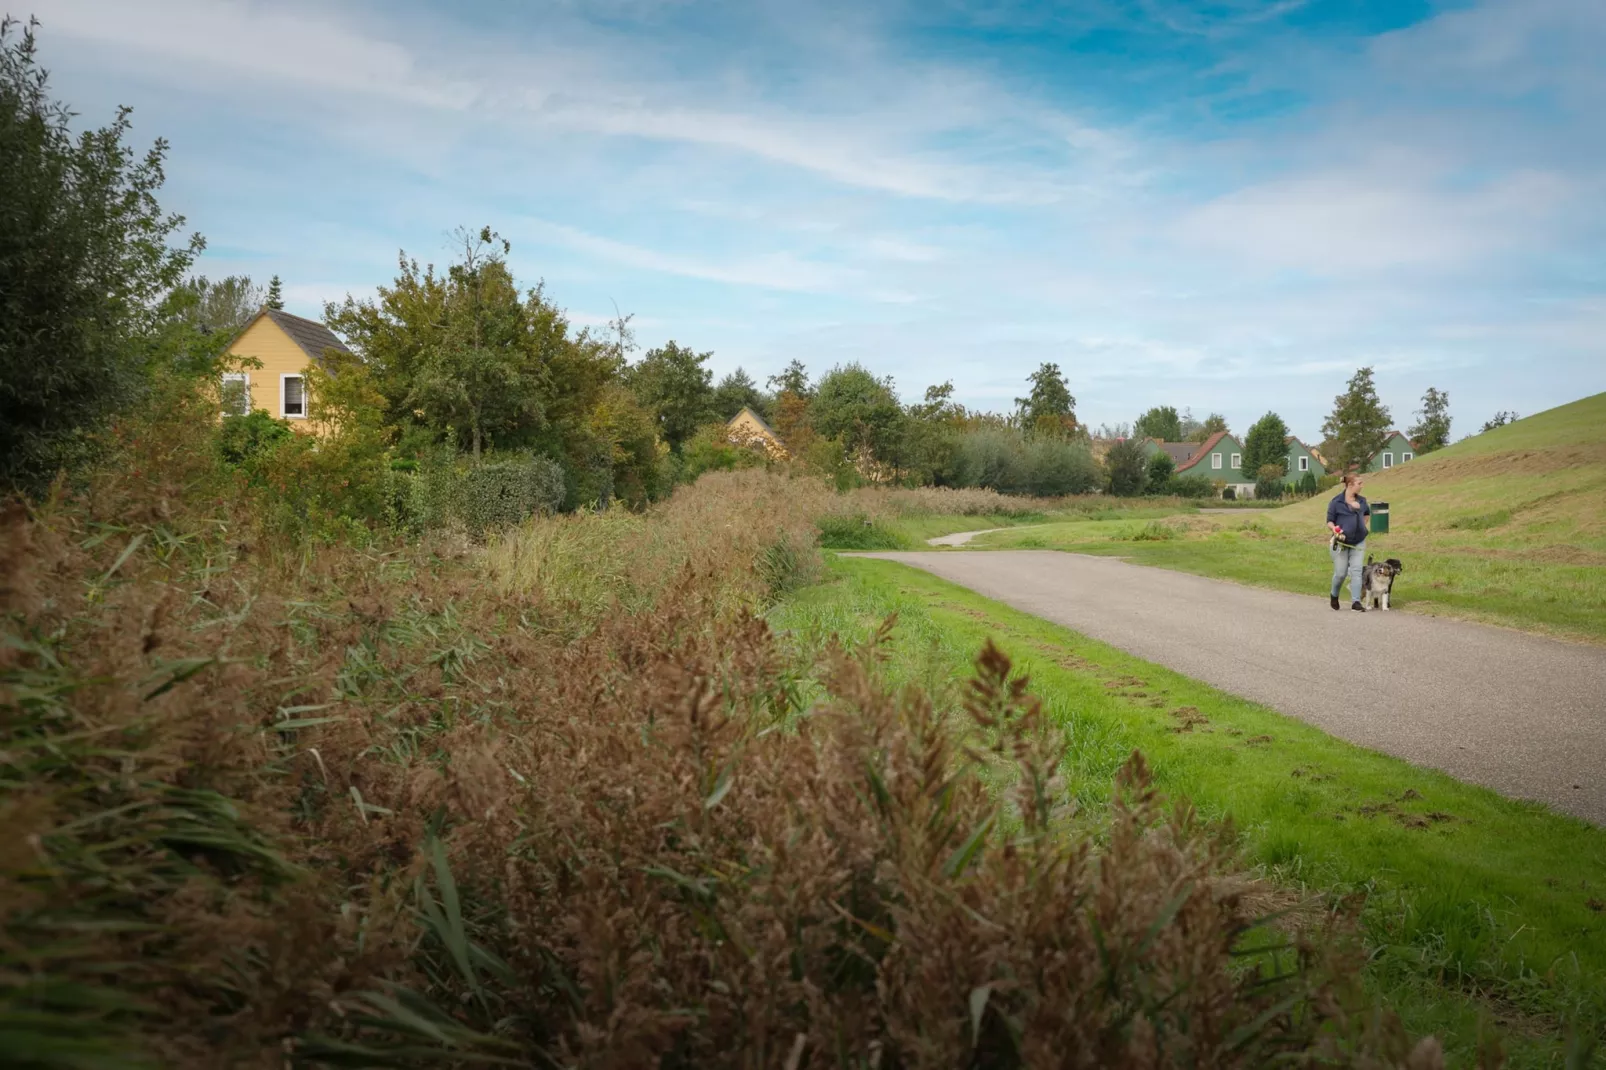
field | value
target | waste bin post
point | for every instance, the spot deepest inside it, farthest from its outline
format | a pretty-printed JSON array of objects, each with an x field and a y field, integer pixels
[{"x": 1380, "y": 518}]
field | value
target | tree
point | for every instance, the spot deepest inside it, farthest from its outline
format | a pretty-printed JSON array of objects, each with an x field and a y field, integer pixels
[
  {"x": 737, "y": 390},
  {"x": 1212, "y": 423},
  {"x": 1049, "y": 407},
  {"x": 85, "y": 266},
  {"x": 1432, "y": 428},
  {"x": 1266, "y": 445},
  {"x": 1499, "y": 419},
  {"x": 860, "y": 411},
  {"x": 275, "y": 299},
  {"x": 794, "y": 379},
  {"x": 1161, "y": 422},
  {"x": 1359, "y": 424},
  {"x": 674, "y": 383},
  {"x": 1191, "y": 430},
  {"x": 1161, "y": 469},
  {"x": 1269, "y": 483},
  {"x": 1127, "y": 468}
]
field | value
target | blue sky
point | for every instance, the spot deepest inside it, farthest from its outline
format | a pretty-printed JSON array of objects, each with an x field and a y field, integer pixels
[{"x": 1226, "y": 206}]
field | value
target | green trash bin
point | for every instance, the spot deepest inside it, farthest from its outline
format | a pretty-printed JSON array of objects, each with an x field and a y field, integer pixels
[{"x": 1380, "y": 518}]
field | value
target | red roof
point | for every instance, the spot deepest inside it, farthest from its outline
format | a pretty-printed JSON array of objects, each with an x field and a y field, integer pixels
[{"x": 1209, "y": 443}]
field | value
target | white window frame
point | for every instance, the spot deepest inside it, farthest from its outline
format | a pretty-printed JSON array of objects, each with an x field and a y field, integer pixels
[
  {"x": 1237, "y": 460},
  {"x": 1215, "y": 460},
  {"x": 1406, "y": 457},
  {"x": 284, "y": 378},
  {"x": 1388, "y": 460},
  {"x": 244, "y": 378},
  {"x": 1304, "y": 464}
]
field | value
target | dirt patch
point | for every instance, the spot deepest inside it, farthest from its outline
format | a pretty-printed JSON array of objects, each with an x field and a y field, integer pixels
[
  {"x": 1257, "y": 741},
  {"x": 1188, "y": 718},
  {"x": 1310, "y": 773}
]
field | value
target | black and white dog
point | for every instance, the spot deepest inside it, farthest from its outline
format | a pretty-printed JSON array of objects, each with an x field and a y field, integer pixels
[{"x": 1378, "y": 580}]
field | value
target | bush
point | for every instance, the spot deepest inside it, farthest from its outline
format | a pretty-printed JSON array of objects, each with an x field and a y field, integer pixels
[
  {"x": 856, "y": 531},
  {"x": 497, "y": 494},
  {"x": 1051, "y": 467},
  {"x": 711, "y": 450},
  {"x": 242, "y": 440},
  {"x": 989, "y": 458},
  {"x": 1191, "y": 487},
  {"x": 1269, "y": 489},
  {"x": 1327, "y": 482},
  {"x": 1229, "y": 494},
  {"x": 1161, "y": 470},
  {"x": 1307, "y": 483}
]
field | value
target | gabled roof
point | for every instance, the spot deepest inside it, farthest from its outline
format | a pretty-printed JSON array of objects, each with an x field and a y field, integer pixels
[
  {"x": 1178, "y": 451},
  {"x": 1390, "y": 438},
  {"x": 310, "y": 336},
  {"x": 756, "y": 419},
  {"x": 1208, "y": 445}
]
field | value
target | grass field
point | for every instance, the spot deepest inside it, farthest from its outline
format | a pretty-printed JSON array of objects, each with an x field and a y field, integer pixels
[
  {"x": 1508, "y": 527},
  {"x": 1482, "y": 913}
]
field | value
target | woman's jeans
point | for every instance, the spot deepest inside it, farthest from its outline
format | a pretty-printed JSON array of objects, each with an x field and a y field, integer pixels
[{"x": 1348, "y": 559}]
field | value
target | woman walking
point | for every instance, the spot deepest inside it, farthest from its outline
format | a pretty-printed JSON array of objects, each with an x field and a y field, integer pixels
[{"x": 1346, "y": 521}]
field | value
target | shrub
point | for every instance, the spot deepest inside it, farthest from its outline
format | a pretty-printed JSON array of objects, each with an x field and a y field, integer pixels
[
  {"x": 856, "y": 531},
  {"x": 711, "y": 450},
  {"x": 1327, "y": 482},
  {"x": 989, "y": 458},
  {"x": 242, "y": 440},
  {"x": 1161, "y": 470},
  {"x": 1050, "y": 467},
  {"x": 1307, "y": 483},
  {"x": 446, "y": 491},
  {"x": 1191, "y": 487},
  {"x": 1269, "y": 489},
  {"x": 1127, "y": 468}
]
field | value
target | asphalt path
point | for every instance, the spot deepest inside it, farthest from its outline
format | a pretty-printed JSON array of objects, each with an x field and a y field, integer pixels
[{"x": 1522, "y": 714}]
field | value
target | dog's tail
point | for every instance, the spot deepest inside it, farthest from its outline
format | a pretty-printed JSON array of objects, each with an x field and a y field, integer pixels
[{"x": 1369, "y": 559}]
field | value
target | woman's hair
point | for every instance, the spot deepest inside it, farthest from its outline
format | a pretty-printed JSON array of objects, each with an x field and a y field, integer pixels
[{"x": 1351, "y": 477}]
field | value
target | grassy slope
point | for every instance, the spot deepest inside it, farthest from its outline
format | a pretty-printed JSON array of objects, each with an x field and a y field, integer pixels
[
  {"x": 1480, "y": 908},
  {"x": 1507, "y": 527}
]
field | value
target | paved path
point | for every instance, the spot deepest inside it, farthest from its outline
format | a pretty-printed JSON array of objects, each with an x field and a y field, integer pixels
[
  {"x": 1518, "y": 713},
  {"x": 959, "y": 538}
]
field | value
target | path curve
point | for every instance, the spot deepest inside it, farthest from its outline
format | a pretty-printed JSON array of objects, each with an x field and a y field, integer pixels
[
  {"x": 1522, "y": 714},
  {"x": 959, "y": 538}
]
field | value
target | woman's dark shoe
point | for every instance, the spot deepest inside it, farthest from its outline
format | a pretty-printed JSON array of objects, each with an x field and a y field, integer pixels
[
  {"x": 1334, "y": 600},
  {"x": 1357, "y": 607}
]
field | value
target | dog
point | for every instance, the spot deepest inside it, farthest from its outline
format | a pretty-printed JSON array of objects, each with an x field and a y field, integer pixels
[{"x": 1378, "y": 580}]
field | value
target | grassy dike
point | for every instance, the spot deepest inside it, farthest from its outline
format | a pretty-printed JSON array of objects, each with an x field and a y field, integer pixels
[{"x": 1481, "y": 913}]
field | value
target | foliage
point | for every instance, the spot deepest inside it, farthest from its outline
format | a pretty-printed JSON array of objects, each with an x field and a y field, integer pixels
[
  {"x": 737, "y": 390},
  {"x": 988, "y": 457},
  {"x": 1307, "y": 483},
  {"x": 1499, "y": 419},
  {"x": 84, "y": 265},
  {"x": 275, "y": 296},
  {"x": 1192, "y": 430},
  {"x": 793, "y": 379},
  {"x": 1270, "y": 481},
  {"x": 1161, "y": 422},
  {"x": 856, "y": 531},
  {"x": 1050, "y": 467},
  {"x": 1161, "y": 469},
  {"x": 1194, "y": 486},
  {"x": 1229, "y": 494},
  {"x": 674, "y": 384},
  {"x": 242, "y": 439},
  {"x": 1213, "y": 423},
  {"x": 1050, "y": 405},
  {"x": 859, "y": 410},
  {"x": 711, "y": 450},
  {"x": 1328, "y": 481},
  {"x": 1432, "y": 428},
  {"x": 1126, "y": 468},
  {"x": 1358, "y": 425},
  {"x": 1266, "y": 445}
]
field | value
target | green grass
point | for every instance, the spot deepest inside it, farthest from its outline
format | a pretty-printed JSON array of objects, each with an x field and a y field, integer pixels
[{"x": 1481, "y": 912}]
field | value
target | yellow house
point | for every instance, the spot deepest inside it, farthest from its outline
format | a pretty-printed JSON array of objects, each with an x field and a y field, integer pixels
[
  {"x": 286, "y": 345},
  {"x": 747, "y": 428}
]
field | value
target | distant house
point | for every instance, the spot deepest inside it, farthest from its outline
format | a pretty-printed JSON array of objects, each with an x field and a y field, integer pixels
[
  {"x": 287, "y": 346},
  {"x": 1220, "y": 458},
  {"x": 1302, "y": 459},
  {"x": 1179, "y": 452},
  {"x": 747, "y": 428},
  {"x": 1397, "y": 449}
]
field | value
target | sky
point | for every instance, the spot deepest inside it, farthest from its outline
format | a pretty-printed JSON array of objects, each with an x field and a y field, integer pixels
[{"x": 1225, "y": 206}]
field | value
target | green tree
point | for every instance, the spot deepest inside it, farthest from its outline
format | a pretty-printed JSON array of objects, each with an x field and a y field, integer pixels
[
  {"x": 794, "y": 379},
  {"x": 1266, "y": 445},
  {"x": 1191, "y": 430},
  {"x": 275, "y": 299},
  {"x": 1161, "y": 422},
  {"x": 1269, "y": 482},
  {"x": 1050, "y": 405},
  {"x": 1161, "y": 469},
  {"x": 860, "y": 411},
  {"x": 737, "y": 390},
  {"x": 1358, "y": 425},
  {"x": 1212, "y": 423},
  {"x": 674, "y": 384},
  {"x": 85, "y": 267},
  {"x": 1432, "y": 428},
  {"x": 1126, "y": 468}
]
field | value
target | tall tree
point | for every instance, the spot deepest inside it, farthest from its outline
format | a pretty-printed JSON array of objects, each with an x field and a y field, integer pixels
[
  {"x": 1049, "y": 407},
  {"x": 860, "y": 411},
  {"x": 1127, "y": 468},
  {"x": 1432, "y": 428},
  {"x": 1212, "y": 423},
  {"x": 737, "y": 390},
  {"x": 85, "y": 266},
  {"x": 673, "y": 382},
  {"x": 1161, "y": 422},
  {"x": 1358, "y": 425},
  {"x": 1191, "y": 430},
  {"x": 275, "y": 299},
  {"x": 1266, "y": 444},
  {"x": 793, "y": 379}
]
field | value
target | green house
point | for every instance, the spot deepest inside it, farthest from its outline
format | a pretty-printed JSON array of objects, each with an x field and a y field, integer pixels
[
  {"x": 1301, "y": 459},
  {"x": 1396, "y": 450},
  {"x": 1179, "y": 452},
  {"x": 1220, "y": 458}
]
